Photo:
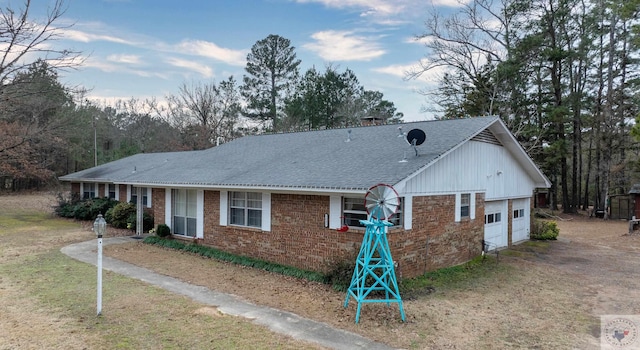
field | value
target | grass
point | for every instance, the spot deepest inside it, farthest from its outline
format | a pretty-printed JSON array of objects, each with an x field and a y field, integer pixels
[
  {"x": 450, "y": 277},
  {"x": 46, "y": 285},
  {"x": 528, "y": 249},
  {"x": 26, "y": 220},
  {"x": 213, "y": 253},
  {"x": 48, "y": 301},
  {"x": 478, "y": 270}
]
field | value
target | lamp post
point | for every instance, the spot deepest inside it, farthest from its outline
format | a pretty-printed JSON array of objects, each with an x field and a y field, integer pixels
[{"x": 99, "y": 227}]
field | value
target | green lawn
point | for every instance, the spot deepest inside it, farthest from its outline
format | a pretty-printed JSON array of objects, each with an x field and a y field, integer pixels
[{"x": 53, "y": 300}]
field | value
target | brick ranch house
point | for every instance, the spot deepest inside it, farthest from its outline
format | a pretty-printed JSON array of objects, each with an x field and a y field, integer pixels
[{"x": 286, "y": 198}]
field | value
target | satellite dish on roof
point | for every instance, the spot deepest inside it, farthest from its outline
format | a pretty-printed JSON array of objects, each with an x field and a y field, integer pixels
[{"x": 416, "y": 137}]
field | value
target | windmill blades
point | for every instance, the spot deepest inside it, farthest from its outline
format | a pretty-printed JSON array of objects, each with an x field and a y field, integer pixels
[{"x": 382, "y": 201}]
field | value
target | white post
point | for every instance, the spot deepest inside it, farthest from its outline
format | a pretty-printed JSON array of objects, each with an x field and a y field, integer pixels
[
  {"x": 139, "y": 211},
  {"x": 99, "y": 311},
  {"x": 99, "y": 226}
]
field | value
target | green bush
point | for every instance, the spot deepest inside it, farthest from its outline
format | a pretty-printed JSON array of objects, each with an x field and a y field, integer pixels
[
  {"x": 66, "y": 205},
  {"x": 341, "y": 273},
  {"x": 147, "y": 221},
  {"x": 544, "y": 230},
  {"x": 87, "y": 209},
  {"x": 119, "y": 215},
  {"x": 163, "y": 230},
  {"x": 124, "y": 215}
]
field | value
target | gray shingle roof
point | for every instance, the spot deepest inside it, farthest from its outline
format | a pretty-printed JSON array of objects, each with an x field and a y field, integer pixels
[{"x": 320, "y": 159}]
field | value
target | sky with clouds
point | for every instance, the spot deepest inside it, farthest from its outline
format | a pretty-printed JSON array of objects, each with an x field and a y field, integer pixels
[{"x": 148, "y": 48}]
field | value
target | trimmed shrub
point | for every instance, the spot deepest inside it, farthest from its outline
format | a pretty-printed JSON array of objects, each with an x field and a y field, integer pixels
[
  {"x": 124, "y": 215},
  {"x": 545, "y": 230},
  {"x": 118, "y": 216},
  {"x": 163, "y": 230},
  {"x": 147, "y": 221},
  {"x": 87, "y": 209}
]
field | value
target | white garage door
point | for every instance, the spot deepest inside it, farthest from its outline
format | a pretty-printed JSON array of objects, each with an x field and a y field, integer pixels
[
  {"x": 495, "y": 224},
  {"x": 520, "y": 215}
]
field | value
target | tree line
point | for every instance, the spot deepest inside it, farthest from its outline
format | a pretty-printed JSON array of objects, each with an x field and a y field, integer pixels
[
  {"x": 48, "y": 129},
  {"x": 562, "y": 74}
]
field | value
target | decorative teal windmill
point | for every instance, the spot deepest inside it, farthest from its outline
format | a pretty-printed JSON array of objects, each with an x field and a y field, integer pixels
[{"x": 374, "y": 269}]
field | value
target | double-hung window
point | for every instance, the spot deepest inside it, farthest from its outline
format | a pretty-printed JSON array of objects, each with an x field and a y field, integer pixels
[
  {"x": 88, "y": 190},
  {"x": 184, "y": 212},
  {"x": 134, "y": 196},
  {"x": 245, "y": 209},
  {"x": 353, "y": 210},
  {"x": 465, "y": 205},
  {"x": 112, "y": 191}
]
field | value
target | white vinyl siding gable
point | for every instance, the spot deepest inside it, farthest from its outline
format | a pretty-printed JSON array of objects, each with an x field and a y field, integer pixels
[{"x": 475, "y": 167}]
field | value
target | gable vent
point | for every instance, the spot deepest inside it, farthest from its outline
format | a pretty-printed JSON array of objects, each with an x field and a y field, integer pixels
[{"x": 486, "y": 136}]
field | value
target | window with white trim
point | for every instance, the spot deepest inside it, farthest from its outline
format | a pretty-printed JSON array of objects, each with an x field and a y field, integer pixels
[
  {"x": 465, "y": 205},
  {"x": 184, "y": 216},
  {"x": 111, "y": 191},
  {"x": 245, "y": 209},
  {"x": 134, "y": 196},
  {"x": 88, "y": 190},
  {"x": 353, "y": 210}
]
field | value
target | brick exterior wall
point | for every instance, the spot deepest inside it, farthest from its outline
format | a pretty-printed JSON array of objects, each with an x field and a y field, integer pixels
[
  {"x": 75, "y": 189},
  {"x": 157, "y": 201},
  {"x": 122, "y": 190},
  {"x": 298, "y": 236},
  {"x": 509, "y": 222},
  {"x": 435, "y": 240}
]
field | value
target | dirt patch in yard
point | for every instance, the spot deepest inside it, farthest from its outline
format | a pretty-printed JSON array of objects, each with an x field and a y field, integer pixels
[
  {"x": 603, "y": 256},
  {"x": 540, "y": 295},
  {"x": 544, "y": 295}
]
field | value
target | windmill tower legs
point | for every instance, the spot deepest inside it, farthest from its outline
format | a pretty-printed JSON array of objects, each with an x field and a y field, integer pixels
[{"x": 374, "y": 270}]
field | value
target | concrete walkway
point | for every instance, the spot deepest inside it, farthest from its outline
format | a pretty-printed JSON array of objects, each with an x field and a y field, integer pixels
[{"x": 276, "y": 320}]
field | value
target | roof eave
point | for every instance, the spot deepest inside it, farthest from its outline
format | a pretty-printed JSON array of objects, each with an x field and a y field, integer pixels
[{"x": 250, "y": 187}]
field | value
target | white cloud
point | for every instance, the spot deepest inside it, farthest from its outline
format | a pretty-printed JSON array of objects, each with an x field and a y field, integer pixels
[
  {"x": 368, "y": 7},
  {"x": 111, "y": 66},
  {"x": 449, "y": 3},
  {"x": 413, "y": 71},
  {"x": 95, "y": 31},
  {"x": 334, "y": 45},
  {"x": 420, "y": 41},
  {"x": 387, "y": 12},
  {"x": 85, "y": 37},
  {"x": 122, "y": 58},
  {"x": 211, "y": 50},
  {"x": 191, "y": 65}
]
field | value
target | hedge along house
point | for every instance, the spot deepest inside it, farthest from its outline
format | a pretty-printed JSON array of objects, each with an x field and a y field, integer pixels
[{"x": 287, "y": 198}]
